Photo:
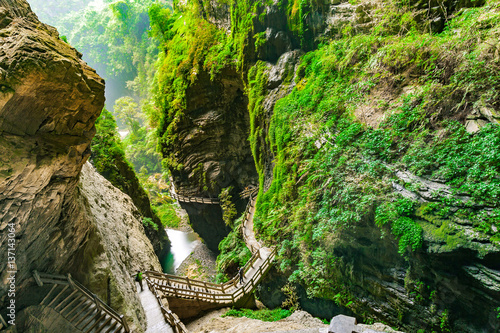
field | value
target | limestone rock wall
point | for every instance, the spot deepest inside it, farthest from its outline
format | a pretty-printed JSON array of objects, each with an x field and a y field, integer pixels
[
  {"x": 212, "y": 146},
  {"x": 122, "y": 245},
  {"x": 49, "y": 101}
]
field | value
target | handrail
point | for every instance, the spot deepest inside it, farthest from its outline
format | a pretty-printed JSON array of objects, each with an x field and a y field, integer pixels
[
  {"x": 248, "y": 212},
  {"x": 226, "y": 293},
  {"x": 183, "y": 198},
  {"x": 3, "y": 323},
  {"x": 190, "y": 283},
  {"x": 61, "y": 279},
  {"x": 169, "y": 316}
]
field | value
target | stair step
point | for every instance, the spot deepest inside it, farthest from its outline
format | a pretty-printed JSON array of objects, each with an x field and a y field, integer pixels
[
  {"x": 58, "y": 295},
  {"x": 67, "y": 298},
  {"x": 88, "y": 319},
  {"x": 111, "y": 328},
  {"x": 73, "y": 313},
  {"x": 118, "y": 329},
  {"x": 87, "y": 311},
  {"x": 97, "y": 322},
  {"x": 76, "y": 299},
  {"x": 104, "y": 324}
]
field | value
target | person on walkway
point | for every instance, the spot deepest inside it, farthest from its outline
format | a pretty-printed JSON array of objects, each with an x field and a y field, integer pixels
[
  {"x": 138, "y": 278},
  {"x": 241, "y": 273}
]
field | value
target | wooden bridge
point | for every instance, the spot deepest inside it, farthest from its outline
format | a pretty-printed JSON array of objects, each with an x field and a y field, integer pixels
[
  {"x": 187, "y": 297},
  {"x": 182, "y": 198},
  {"x": 83, "y": 309}
]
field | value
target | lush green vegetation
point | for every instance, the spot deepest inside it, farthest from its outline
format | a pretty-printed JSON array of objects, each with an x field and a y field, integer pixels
[
  {"x": 400, "y": 215},
  {"x": 333, "y": 172},
  {"x": 264, "y": 315},
  {"x": 110, "y": 161},
  {"x": 334, "y": 165},
  {"x": 233, "y": 253},
  {"x": 167, "y": 214},
  {"x": 193, "y": 45},
  {"x": 107, "y": 150},
  {"x": 228, "y": 207},
  {"x": 114, "y": 37},
  {"x": 140, "y": 142}
]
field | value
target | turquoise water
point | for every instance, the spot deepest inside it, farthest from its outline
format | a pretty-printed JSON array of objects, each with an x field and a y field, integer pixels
[{"x": 182, "y": 244}]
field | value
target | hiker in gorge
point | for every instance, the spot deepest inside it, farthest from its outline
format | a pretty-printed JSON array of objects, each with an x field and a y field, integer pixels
[
  {"x": 138, "y": 278},
  {"x": 240, "y": 273}
]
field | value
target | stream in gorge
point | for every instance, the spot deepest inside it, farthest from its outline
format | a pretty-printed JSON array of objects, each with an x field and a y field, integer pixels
[{"x": 182, "y": 244}]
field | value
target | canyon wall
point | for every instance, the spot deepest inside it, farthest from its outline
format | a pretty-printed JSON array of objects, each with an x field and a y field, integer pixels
[
  {"x": 321, "y": 211},
  {"x": 211, "y": 144},
  {"x": 49, "y": 101}
]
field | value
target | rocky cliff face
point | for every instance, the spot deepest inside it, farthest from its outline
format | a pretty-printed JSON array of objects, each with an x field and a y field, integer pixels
[
  {"x": 121, "y": 245},
  {"x": 212, "y": 146},
  {"x": 452, "y": 280},
  {"x": 457, "y": 269},
  {"x": 49, "y": 100}
]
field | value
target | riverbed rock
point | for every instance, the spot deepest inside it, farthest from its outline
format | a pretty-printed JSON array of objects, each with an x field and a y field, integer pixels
[{"x": 299, "y": 321}]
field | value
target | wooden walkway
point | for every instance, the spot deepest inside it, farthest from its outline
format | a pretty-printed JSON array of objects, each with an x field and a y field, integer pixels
[
  {"x": 225, "y": 294},
  {"x": 181, "y": 198},
  {"x": 154, "y": 316}
]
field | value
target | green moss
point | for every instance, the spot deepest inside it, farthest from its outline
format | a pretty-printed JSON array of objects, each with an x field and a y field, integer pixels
[
  {"x": 446, "y": 238},
  {"x": 257, "y": 86}
]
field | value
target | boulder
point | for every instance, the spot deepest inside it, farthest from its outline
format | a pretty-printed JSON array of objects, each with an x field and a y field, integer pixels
[{"x": 343, "y": 324}]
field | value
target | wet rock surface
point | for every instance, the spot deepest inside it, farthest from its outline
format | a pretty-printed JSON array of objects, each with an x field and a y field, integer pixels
[{"x": 200, "y": 264}]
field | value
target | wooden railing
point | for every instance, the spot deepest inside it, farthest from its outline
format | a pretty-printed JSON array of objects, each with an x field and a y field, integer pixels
[
  {"x": 169, "y": 316},
  {"x": 227, "y": 293},
  {"x": 224, "y": 294},
  {"x": 182, "y": 198},
  {"x": 249, "y": 210},
  {"x": 42, "y": 278},
  {"x": 185, "y": 282},
  {"x": 3, "y": 323}
]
